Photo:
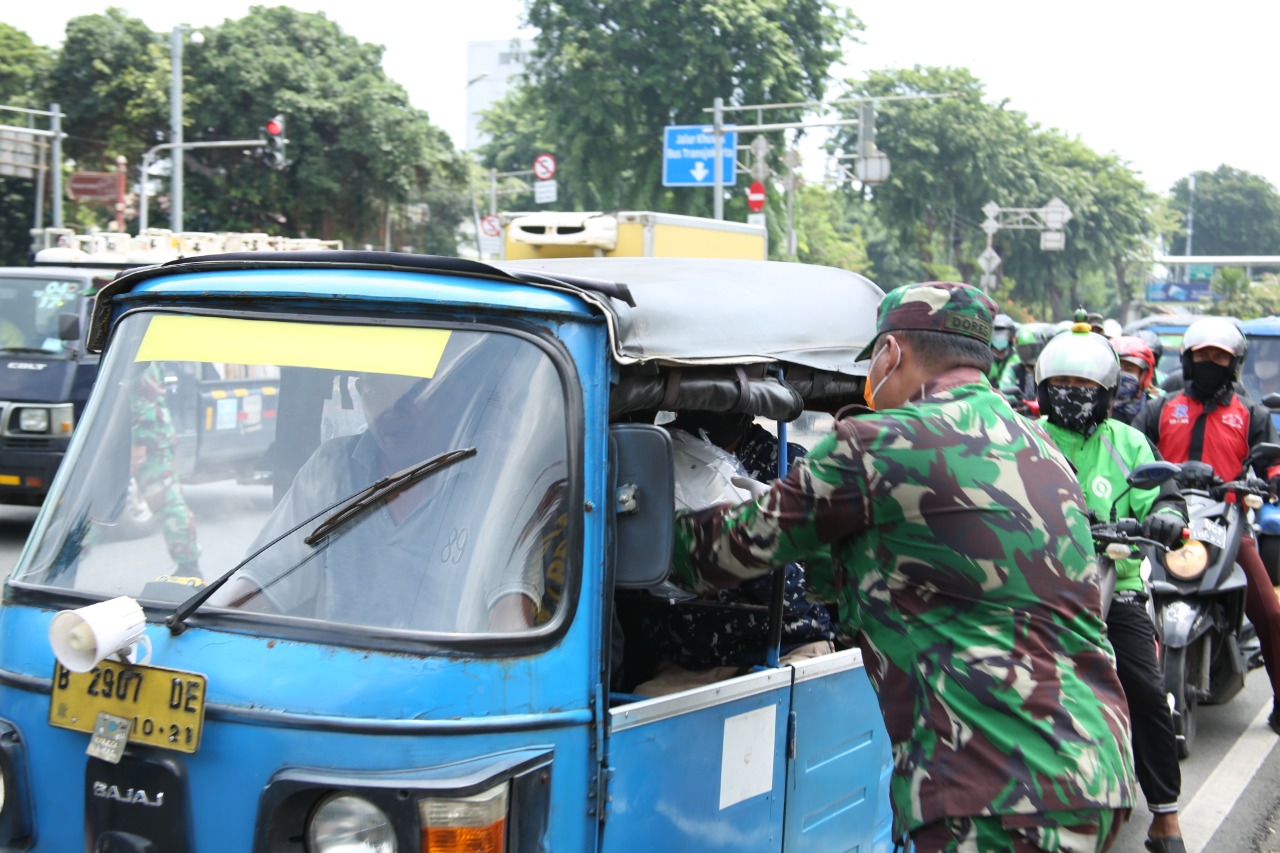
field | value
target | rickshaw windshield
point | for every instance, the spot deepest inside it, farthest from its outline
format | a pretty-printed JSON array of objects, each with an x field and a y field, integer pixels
[{"x": 297, "y": 418}]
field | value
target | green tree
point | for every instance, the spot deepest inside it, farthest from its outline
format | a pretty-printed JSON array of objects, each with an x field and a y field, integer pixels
[
  {"x": 1235, "y": 213},
  {"x": 111, "y": 78},
  {"x": 606, "y": 77},
  {"x": 23, "y": 65},
  {"x": 358, "y": 152},
  {"x": 949, "y": 156},
  {"x": 953, "y": 154}
]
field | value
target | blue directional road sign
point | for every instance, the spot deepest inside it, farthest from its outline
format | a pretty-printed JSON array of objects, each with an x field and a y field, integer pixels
[
  {"x": 1179, "y": 291},
  {"x": 688, "y": 152}
]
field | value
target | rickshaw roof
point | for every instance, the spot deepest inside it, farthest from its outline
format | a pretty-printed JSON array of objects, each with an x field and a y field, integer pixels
[
  {"x": 663, "y": 311},
  {"x": 705, "y": 311}
]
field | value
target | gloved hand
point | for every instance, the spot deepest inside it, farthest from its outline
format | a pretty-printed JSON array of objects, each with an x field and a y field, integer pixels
[
  {"x": 755, "y": 487},
  {"x": 1165, "y": 528}
]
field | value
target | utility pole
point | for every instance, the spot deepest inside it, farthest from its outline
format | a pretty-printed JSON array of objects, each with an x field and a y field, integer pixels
[
  {"x": 1191, "y": 212},
  {"x": 175, "y": 119}
]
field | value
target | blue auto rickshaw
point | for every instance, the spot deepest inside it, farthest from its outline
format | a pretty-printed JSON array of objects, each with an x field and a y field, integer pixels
[
  {"x": 402, "y": 636},
  {"x": 1260, "y": 377}
]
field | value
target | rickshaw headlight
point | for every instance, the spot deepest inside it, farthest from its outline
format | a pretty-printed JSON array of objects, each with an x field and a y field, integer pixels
[
  {"x": 345, "y": 823},
  {"x": 1188, "y": 562},
  {"x": 474, "y": 824}
]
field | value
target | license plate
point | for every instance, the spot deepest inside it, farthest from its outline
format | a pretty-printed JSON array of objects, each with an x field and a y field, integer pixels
[
  {"x": 1209, "y": 531},
  {"x": 165, "y": 707}
]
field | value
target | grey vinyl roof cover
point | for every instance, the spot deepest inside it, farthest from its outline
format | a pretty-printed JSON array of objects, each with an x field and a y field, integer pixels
[{"x": 692, "y": 311}]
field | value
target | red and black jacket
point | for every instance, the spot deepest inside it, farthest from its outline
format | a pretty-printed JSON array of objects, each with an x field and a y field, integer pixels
[{"x": 1219, "y": 431}]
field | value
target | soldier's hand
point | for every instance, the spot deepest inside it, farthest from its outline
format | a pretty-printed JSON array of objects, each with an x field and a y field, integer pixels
[
  {"x": 754, "y": 487},
  {"x": 137, "y": 455}
]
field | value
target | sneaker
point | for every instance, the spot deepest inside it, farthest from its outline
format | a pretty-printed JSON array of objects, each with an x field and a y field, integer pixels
[{"x": 1274, "y": 719}]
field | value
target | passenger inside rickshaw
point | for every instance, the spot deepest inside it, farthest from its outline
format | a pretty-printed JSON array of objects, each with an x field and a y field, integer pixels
[{"x": 676, "y": 640}]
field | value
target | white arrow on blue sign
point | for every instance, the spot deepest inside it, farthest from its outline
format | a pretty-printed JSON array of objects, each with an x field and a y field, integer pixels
[{"x": 688, "y": 152}]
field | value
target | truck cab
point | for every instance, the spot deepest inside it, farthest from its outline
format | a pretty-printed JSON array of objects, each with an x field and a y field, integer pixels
[
  {"x": 408, "y": 635},
  {"x": 45, "y": 372}
]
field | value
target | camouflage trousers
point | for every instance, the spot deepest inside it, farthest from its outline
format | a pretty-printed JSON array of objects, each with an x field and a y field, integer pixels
[
  {"x": 158, "y": 485},
  {"x": 1051, "y": 832}
]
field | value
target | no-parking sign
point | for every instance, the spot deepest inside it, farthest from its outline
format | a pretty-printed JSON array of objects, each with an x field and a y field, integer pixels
[{"x": 544, "y": 167}]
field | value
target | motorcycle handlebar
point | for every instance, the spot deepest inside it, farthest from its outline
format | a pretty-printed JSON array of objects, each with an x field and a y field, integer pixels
[{"x": 1125, "y": 531}]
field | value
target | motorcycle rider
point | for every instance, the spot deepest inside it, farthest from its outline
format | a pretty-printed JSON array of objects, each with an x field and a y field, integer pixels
[
  {"x": 1077, "y": 377},
  {"x": 1208, "y": 421},
  {"x": 1018, "y": 382},
  {"x": 1137, "y": 372},
  {"x": 1003, "y": 330}
]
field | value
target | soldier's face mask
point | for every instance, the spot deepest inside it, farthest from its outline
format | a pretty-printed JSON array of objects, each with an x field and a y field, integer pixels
[{"x": 869, "y": 393}]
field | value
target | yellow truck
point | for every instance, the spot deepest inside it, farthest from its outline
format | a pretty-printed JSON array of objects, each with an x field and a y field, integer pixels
[{"x": 628, "y": 233}]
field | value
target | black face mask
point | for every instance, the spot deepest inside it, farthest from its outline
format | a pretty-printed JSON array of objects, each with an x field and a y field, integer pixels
[
  {"x": 1208, "y": 379},
  {"x": 1074, "y": 408},
  {"x": 1129, "y": 398}
]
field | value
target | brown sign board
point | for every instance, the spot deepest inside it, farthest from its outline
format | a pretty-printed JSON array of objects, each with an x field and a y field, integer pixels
[{"x": 99, "y": 186}]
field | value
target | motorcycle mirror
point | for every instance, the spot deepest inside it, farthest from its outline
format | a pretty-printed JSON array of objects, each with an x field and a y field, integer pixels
[
  {"x": 1272, "y": 400},
  {"x": 1151, "y": 474},
  {"x": 1266, "y": 451},
  {"x": 1146, "y": 476}
]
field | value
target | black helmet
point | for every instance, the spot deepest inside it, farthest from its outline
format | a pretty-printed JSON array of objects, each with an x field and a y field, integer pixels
[{"x": 1153, "y": 341}]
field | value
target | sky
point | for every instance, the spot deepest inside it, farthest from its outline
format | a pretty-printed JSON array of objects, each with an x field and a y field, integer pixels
[{"x": 1170, "y": 87}]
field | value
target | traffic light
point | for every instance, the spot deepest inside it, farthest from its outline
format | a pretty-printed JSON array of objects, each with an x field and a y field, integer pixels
[{"x": 276, "y": 141}]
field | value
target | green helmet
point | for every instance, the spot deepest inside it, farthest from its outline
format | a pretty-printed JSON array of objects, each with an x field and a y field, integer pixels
[{"x": 1030, "y": 340}]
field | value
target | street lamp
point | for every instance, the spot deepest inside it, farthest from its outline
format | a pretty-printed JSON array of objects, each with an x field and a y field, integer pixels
[{"x": 175, "y": 118}]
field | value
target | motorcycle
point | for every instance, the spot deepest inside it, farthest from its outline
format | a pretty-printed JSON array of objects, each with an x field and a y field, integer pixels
[
  {"x": 1199, "y": 592},
  {"x": 1116, "y": 539},
  {"x": 1267, "y": 519}
]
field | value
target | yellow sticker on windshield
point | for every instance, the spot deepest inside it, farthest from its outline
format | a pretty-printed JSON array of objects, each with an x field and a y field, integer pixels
[{"x": 352, "y": 349}]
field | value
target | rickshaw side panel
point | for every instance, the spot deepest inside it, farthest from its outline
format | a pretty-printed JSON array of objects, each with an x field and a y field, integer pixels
[
  {"x": 704, "y": 769},
  {"x": 838, "y": 781}
]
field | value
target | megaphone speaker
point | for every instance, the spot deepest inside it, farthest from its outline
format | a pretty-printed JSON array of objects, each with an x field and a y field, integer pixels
[{"x": 83, "y": 637}]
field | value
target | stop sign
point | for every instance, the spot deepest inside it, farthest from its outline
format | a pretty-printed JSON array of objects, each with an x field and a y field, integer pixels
[{"x": 755, "y": 197}]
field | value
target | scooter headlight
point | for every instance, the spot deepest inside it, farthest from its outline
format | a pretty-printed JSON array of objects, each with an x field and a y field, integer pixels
[
  {"x": 1188, "y": 562},
  {"x": 345, "y": 823}
]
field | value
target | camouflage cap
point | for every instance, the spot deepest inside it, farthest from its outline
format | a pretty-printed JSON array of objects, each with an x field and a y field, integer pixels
[{"x": 935, "y": 306}]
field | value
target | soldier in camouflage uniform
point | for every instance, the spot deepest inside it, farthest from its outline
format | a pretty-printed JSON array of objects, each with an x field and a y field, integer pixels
[
  {"x": 961, "y": 554},
  {"x": 154, "y": 470}
]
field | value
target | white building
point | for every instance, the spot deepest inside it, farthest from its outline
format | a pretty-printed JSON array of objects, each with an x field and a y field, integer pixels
[{"x": 492, "y": 70}]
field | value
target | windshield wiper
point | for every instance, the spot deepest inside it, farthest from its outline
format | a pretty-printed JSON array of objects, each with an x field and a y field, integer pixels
[
  {"x": 24, "y": 350},
  {"x": 348, "y": 509},
  {"x": 384, "y": 490}
]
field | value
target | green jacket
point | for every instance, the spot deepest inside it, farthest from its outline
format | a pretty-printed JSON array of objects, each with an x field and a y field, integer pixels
[
  {"x": 1102, "y": 462},
  {"x": 959, "y": 550},
  {"x": 999, "y": 366}
]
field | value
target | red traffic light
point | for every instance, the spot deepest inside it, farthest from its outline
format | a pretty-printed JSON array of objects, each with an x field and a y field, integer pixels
[{"x": 275, "y": 127}]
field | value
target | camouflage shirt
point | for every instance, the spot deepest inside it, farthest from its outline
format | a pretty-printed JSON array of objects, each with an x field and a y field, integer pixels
[{"x": 962, "y": 555}]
